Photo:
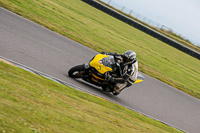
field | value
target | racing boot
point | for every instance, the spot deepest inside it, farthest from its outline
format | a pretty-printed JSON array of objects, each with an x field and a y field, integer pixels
[{"x": 118, "y": 88}]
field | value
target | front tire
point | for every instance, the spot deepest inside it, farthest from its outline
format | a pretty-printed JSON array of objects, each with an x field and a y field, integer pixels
[
  {"x": 115, "y": 93},
  {"x": 76, "y": 71}
]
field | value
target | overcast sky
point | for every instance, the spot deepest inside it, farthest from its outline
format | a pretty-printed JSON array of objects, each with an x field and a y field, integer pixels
[{"x": 182, "y": 16}]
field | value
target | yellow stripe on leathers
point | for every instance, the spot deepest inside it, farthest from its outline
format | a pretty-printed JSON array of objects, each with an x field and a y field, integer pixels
[
  {"x": 138, "y": 81},
  {"x": 99, "y": 66}
]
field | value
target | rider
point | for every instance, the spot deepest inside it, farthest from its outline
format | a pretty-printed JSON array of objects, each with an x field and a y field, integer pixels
[{"x": 127, "y": 69}]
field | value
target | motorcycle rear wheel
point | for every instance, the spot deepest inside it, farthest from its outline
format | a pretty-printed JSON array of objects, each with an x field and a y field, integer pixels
[
  {"x": 76, "y": 71},
  {"x": 115, "y": 93}
]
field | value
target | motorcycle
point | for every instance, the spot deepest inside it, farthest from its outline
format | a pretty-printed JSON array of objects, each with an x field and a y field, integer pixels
[{"x": 94, "y": 73}]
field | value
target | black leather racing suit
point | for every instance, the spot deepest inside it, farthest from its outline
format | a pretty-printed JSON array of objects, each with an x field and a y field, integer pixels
[{"x": 123, "y": 70}]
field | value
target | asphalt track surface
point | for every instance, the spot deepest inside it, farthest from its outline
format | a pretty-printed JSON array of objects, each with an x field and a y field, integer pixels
[{"x": 39, "y": 48}]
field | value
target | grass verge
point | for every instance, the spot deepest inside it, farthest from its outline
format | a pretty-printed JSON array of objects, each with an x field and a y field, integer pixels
[
  {"x": 31, "y": 103},
  {"x": 99, "y": 31},
  {"x": 169, "y": 34}
]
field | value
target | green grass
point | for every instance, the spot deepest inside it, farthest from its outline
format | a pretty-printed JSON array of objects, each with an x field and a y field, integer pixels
[
  {"x": 31, "y": 103},
  {"x": 169, "y": 34},
  {"x": 99, "y": 31}
]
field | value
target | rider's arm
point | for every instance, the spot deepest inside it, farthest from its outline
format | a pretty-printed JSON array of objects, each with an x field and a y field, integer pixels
[
  {"x": 118, "y": 57},
  {"x": 111, "y": 53}
]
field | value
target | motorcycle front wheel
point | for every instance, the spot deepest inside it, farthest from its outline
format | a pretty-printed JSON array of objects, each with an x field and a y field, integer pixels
[{"x": 77, "y": 71}]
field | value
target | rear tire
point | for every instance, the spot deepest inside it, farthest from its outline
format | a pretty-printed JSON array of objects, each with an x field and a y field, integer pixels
[
  {"x": 74, "y": 72},
  {"x": 106, "y": 88},
  {"x": 115, "y": 93}
]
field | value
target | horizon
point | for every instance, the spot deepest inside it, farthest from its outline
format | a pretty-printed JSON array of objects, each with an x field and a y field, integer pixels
[{"x": 176, "y": 19}]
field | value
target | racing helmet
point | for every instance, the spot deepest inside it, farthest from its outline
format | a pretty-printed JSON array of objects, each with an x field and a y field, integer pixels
[{"x": 129, "y": 57}]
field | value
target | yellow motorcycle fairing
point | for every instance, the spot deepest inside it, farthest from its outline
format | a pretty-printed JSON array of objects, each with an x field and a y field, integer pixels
[{"x": 97, "y": 63}]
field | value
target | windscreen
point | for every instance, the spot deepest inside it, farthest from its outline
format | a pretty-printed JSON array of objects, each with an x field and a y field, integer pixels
[{"x": 108, "y": 61}]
